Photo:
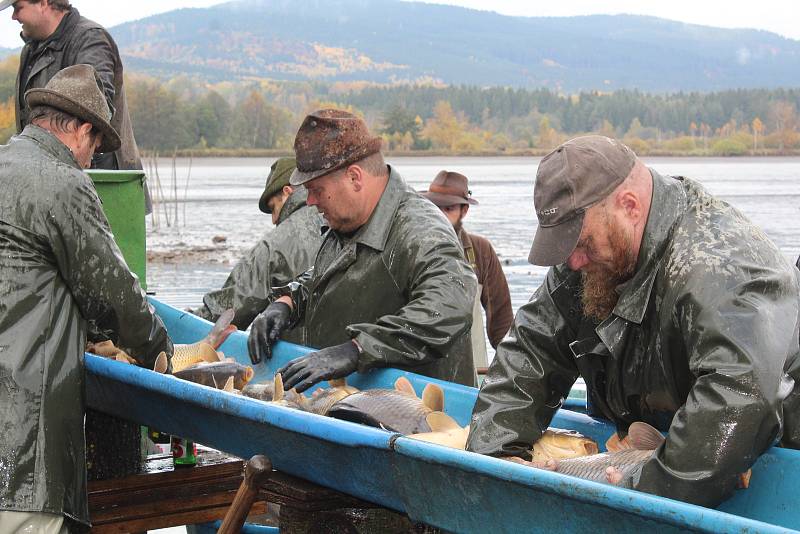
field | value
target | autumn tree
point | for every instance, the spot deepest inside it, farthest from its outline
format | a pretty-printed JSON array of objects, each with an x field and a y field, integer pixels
[{"x": 758, "y": 129}]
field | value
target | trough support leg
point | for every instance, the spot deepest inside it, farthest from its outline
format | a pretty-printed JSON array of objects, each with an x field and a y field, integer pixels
[{"x": 256, "y": 473}]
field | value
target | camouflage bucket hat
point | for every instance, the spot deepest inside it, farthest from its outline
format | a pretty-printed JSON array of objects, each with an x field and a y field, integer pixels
[
  {"x": 570, "y": 179},
  {"x": 76, "y": 90},
  {"x": 7, "y": 3},
  {"x": 330, "y": 139},
  {"x": 278, "y": 178}
]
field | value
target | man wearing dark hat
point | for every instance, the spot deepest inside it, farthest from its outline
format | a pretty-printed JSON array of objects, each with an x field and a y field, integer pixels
[
  {"x": 450, "y": 192},
  {"x": 57, "y": 36},
  {"x": 59, "y": 268},
  {"x": 282, "y": 254},
  {"x": 673, "y": 307},
  {"x": 389, "y": 287}
]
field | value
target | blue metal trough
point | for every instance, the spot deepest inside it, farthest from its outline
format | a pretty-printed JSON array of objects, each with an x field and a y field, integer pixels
[{"x": 451, "y": 489}]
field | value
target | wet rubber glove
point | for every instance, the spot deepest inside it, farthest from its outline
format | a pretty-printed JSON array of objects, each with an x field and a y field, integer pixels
[
  {"x": 266, "y": 330},
  {"x": 326, "y": 364}
]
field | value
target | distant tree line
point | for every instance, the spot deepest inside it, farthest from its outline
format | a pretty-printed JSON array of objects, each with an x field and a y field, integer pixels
[{"x": 189, "y": 114}]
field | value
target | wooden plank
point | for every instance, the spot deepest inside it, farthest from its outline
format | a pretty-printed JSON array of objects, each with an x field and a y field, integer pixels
[{"x": 173, "y": 520}]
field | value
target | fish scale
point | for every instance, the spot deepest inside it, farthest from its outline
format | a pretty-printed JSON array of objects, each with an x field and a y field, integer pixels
[
  {"x": 390, "y": 409},
  {"x": 594, "y": 467}
]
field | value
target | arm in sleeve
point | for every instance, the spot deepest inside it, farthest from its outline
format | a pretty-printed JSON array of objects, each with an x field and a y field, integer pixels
[
  {"x": 495, "y": 297},
  {"x": 97, "y": 275},
  {"x": 96, "y": 50},
  {"x": 247, "y": 288},
  {"x": 441, "y": 290},
  {"x": 527, "y": 381},
  {"x": 737, "y": 343}
]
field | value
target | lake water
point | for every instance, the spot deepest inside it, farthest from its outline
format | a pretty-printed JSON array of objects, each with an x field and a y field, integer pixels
[{"x": 222, "y": 197}]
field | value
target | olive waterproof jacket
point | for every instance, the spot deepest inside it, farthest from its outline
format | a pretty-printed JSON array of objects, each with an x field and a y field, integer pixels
[
  {"x": 702, "y": 343},
  {"x": 282, "y": 254},
  {"x": 79, "y": 40},
  {"x": 399, "y": 286},
  {"x": 59, "y": 266}
]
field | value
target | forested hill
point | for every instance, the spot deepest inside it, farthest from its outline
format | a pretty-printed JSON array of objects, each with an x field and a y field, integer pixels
[{"x": 392, "y": 40}]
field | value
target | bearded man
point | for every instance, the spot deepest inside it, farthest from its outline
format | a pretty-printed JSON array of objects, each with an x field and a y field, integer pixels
[{"x": 673, "y": 307}]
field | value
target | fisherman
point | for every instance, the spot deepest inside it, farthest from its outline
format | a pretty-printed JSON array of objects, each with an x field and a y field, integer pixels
[
  {"x": 673, "y": 307},
  {"x": 389, "y": 287},
  {"x": 59, "y": 266},
  {"x": 450, "y": 192},
  {"x": 57, "y": 36},
  {"x": 282, "y": 254}
]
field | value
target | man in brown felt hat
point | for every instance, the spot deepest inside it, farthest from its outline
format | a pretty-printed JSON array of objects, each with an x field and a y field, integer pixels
[
  {"x": 670, "y": 304},
  {"x": 389, "y": 287},
  {"x": 283, "y": 252},
  {"x": 59, "y": 268},
  {"x": 450, "y": 192}
]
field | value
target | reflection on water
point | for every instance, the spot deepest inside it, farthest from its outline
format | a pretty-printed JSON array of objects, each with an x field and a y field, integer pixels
[{"x": 223, "y": 195}]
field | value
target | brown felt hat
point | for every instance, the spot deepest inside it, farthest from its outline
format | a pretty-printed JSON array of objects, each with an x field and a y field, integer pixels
[
  {"x": 330, "y": 139},
  {"x": 570, "y": 179},
  {"x": 278, "y": 178},
  {"x": 448, "y": 189},
  {"x": 76, "y": 90}
]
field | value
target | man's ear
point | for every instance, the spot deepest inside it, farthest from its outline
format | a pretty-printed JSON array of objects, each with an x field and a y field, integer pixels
[
  {"x": 355, "y": 175},
  {"x": 630, "y": 204},
  {"x": 287, "y": 190}
]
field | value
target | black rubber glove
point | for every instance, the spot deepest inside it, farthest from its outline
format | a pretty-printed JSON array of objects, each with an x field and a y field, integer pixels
[
  {"x": 326, "y": 364},
  {"x": 266, "y": 330}
]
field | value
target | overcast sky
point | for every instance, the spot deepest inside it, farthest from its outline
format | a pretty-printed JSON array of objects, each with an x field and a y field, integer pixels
[{"x": 779, "y": 16}]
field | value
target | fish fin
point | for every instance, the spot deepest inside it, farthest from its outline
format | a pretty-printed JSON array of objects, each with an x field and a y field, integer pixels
[
  {"x": 433, "y": 397},
  {"x": 337, "y": 382},
  {"x": 214, "y": 381},
  {"x": 404, "y": 385},
  {"x": 744, "y": 479},
  {"x": 161, "y": 363},
  {"x": 644, "y": 437},
  {"x": 441, "y": 422},
  {"x": 222, "y": 329},
  {"x": 277, "y": 392},
  {"x": 615, "y": 444},
  {"x": 248, "y": 374},
  {"x": 228, "y": 385},
  {"x": 206, "y": 353}
]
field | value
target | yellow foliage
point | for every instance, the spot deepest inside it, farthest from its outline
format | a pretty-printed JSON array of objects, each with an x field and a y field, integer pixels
[{"x": 7, "y": 119}]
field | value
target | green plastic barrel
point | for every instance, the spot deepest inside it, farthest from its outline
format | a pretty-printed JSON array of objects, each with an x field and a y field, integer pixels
[{"x": 122, "y": 193}]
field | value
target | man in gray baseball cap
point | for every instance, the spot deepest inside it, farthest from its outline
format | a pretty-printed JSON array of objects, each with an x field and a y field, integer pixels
[{"x": 674, "y": 309}]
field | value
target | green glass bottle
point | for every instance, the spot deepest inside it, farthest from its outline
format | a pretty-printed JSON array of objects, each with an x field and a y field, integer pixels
[{"x": 184, "y": 452}]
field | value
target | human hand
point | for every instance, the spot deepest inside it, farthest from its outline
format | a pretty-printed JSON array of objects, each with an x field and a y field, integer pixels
[
  {"x": 326, "y": 364},
  {"x": 266, "y": 330}
]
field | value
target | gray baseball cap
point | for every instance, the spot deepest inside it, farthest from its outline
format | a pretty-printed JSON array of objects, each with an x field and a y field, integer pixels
[
  {"x": 7, "y": 3},
  {"x": 570, "y": 179}
]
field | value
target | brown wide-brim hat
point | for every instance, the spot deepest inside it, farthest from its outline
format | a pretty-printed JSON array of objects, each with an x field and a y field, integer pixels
[
  {"x": 76, "y": 91},
  {"x": 328, "y": 140},
  {"x": 279, "y": 173},
  {"x": 449, "y": 189},
  {"x": 571, "y": 179}
]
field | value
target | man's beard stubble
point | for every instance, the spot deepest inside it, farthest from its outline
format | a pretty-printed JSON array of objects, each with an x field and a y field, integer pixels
[{"x": 599, "y": 294}]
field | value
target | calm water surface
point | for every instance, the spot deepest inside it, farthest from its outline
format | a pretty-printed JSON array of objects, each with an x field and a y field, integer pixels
[{"x": 223, "y": 193}]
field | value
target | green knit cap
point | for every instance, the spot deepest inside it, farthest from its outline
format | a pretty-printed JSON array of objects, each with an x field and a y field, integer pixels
[{"x": 279, "y": 174}]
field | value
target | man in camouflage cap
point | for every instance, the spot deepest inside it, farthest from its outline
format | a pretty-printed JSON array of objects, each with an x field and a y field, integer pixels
[
  {"x": 390, "y": 286},
  {"x": 60, "y": 267},
  {"x": 283, "y": 253},
  {"x": 670, "y": 304}
]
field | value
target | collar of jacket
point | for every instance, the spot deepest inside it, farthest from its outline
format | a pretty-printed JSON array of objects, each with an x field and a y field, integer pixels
[
  {"x": 54, "y": 41},
  {"x": 464, "y": 238},
  {"x": 295, "y": 201},
  {"x": 375, "y": 232},
  {"x": 667, "y": 206},
  {"x": 51, "y": 144}
]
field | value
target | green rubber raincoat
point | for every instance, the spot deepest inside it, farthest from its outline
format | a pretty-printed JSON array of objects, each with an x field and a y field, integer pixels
[
  {"x": 281, "y": 255},
  {"x": 59, "y": 266},
  {"x": 400, "y": 287},
  {"x": 702, "y": 343}
]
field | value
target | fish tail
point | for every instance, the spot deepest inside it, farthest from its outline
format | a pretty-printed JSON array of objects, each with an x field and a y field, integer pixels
[
  {"x": 222, "y": 329},
  {"x": 644, "y": 437}
]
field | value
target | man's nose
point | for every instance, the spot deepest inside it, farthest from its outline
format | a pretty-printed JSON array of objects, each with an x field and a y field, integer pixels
[{"x": 577, "y": 259}]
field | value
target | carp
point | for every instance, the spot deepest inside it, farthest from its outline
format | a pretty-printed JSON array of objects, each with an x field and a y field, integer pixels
[
  {"x": 554, "y": 444},
  {"x": 396, "y": 410},
  {"x": 216, "y": 374},
  {"x": 204, "y": 350},
  {"x": 273, "y": 392},
  {"x": 323, "y": 399}
]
